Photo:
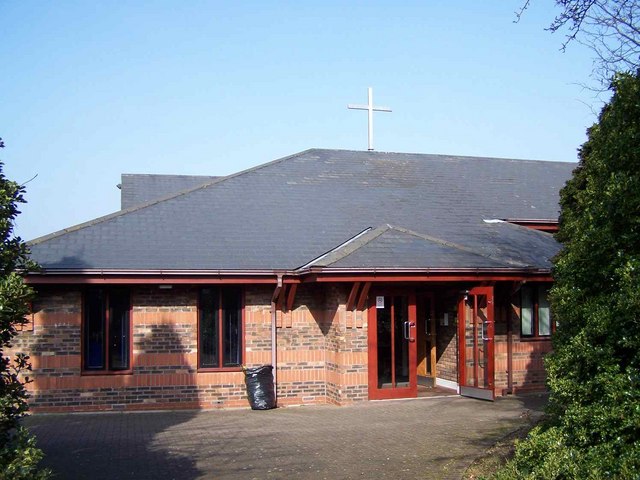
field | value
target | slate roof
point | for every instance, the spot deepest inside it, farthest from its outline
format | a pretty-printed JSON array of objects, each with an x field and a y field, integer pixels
[
  {"x": 136, "y": 189},
  {"x": 331, "y": 208},
  {"x": 392, "y": 247}
]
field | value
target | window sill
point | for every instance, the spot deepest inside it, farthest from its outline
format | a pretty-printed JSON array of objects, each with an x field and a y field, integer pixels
[
  {"x": 222, "y": 369},
  {"x": 93, "y": 373},
  {"x": 535, "y": 339}
]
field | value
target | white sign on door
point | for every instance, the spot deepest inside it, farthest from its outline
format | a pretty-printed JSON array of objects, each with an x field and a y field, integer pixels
[{"x": 379, "y": 302}]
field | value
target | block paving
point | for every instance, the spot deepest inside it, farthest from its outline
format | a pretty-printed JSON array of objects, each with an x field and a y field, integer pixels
[{"x": 429, "y": 438}]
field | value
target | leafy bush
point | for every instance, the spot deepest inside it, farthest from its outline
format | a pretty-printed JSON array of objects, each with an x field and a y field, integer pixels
[
  {"x": 18, "y": 455},
  {"x": 593, "y": 430}
]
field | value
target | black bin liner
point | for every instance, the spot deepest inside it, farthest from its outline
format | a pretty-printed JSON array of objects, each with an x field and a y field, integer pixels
[{"x": 259, "y": 381}]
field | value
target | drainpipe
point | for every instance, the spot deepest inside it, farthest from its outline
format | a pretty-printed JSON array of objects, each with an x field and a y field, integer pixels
[
  {"x": 509, "y": 352},
  {"x": 274, "y": 342},
  {"x": 509, "y": 389}
]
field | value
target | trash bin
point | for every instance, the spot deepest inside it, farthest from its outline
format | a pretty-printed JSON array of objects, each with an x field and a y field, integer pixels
[{"x": 259, "y": 381}]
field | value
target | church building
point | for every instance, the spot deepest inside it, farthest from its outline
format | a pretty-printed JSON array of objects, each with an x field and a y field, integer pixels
[{"x": 358, "y": 275}]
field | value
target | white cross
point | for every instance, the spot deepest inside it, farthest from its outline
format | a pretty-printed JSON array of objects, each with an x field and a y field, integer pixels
[{"x": 371, "y": 109}]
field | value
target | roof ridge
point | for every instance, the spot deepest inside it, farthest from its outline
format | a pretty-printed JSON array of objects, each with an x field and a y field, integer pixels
[
  {"x": 366, "y": 238},
  {"x": 135, "y": 208},
  {"x": 457, "y": 246},
  {"x": 348, "y": 247},
  {"x": 445, "y": 155},
  {"x": 167, "y": 175}
]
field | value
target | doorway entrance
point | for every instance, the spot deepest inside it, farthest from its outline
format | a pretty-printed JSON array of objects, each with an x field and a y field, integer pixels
[
  {"x": 412, "y": 340},
  {"x": 476, "y": 343},
  {"x": 426, "y": 338},
  {"x": 392, "y": 344}
]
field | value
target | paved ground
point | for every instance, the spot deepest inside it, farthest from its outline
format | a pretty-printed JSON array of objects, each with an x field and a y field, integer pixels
[{"x": 428, "y": 438}]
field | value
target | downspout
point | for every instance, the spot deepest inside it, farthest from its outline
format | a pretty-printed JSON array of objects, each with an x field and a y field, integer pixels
[
  {"x": 509, "y": 389},
  {"x": 509, "y": 353},
  {"x": 274, "y": 341}
]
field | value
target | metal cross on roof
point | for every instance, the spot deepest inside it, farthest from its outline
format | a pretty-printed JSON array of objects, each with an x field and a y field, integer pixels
[{"x": 371, "y": 109}]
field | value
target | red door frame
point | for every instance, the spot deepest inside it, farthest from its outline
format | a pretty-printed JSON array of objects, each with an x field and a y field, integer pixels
[
  {"x": 411, "y": 391},
  {"x": 488, "y": 392}
]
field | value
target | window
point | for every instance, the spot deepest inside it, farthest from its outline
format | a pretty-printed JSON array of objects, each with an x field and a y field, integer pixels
[
  {"x": 106, "y": 334},
  {"x": 535, "y": 314},
  {"x": 220, "y": 327}
]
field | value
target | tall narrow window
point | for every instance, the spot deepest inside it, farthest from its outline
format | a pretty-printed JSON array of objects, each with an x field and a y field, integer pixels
[
  {"x": 220, "y": 327},
  {"x": 94, "y": 330},
  {"x": 544, "y": 313},
  {"x": 526, "y": 311},
  {"x": 535, "y": 312},
  {"x": 106, "y": 330},
  {"x": 209, "y": 328}
]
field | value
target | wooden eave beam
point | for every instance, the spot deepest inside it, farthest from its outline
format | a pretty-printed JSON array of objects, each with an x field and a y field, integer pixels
[
  {"x": 291, "y": 295},
  {"x": 277, "y": 293},
  {"x": 351, "y": 300},
  {"x": 281, "y": 296},
  {"x": 362, "y": 298},
  {"x": 284, "y": 295}
]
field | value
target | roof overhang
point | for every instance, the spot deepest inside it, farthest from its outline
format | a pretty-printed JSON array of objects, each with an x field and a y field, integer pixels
[
  {"x": 425, "y": 275},
  {"x": 543, "y": 225},
  {"x": 310, "y": 275},
  {"x": 105, "y": 276}
]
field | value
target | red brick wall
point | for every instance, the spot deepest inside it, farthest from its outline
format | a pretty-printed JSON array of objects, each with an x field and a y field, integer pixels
[
  {"x": 164, "y": 356},
  {"x": 347, "y": 373},
  {"x": 301, "y": 349},
  {"x": 527, "y": 365},
  {"x": 321, "y": 352},
  {"x": 447, "y": 338}
]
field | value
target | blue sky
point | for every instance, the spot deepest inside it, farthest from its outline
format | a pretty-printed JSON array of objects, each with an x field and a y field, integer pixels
[{"x": 93, "y": 89}]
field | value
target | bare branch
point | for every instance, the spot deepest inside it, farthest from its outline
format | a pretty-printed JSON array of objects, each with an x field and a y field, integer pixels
[
  {"x": 610, "y": 28},
  {"x": 30, "y": 180},
  {"x": 521, "y": 11}
]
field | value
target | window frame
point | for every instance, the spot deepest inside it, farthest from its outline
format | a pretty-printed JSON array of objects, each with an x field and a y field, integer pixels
[
  {"x": 242, "y": 346},
  {"x": 106, "y": 314},
  {"x": 535, "y": 313}
]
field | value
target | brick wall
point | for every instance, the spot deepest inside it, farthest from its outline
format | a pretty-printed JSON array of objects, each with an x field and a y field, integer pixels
[
  {"x": 164, "y": 360},
  {"x": 527, "y": 354},
  {"x": 347, "y": 359},
  {"x": 321, "y": 352},
  {"x": 447, "y": 338},
  {"x": 53, "y": 337},
  {"x": 301, "y": 349}
]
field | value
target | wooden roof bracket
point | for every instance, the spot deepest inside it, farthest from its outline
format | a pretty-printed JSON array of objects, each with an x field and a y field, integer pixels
[
  {"x": 353, "y": 295},
  {"x": 284, "y": 295},
  {"x": 276, "y": 292},
  {"x": 364, "y": 294},
  {"x": 515, "y": 286},
  {"x": 291, "y": 295}
]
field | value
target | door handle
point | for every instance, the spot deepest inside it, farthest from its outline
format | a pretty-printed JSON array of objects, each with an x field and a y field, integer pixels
[
  {"x": 485, "y": 339},
  {"x": 407, "y": 331}
]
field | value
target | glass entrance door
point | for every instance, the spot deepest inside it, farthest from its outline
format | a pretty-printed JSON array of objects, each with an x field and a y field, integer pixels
[
  {"x": 475, "y": 337},
  {"x": 392, "y": 345}
]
